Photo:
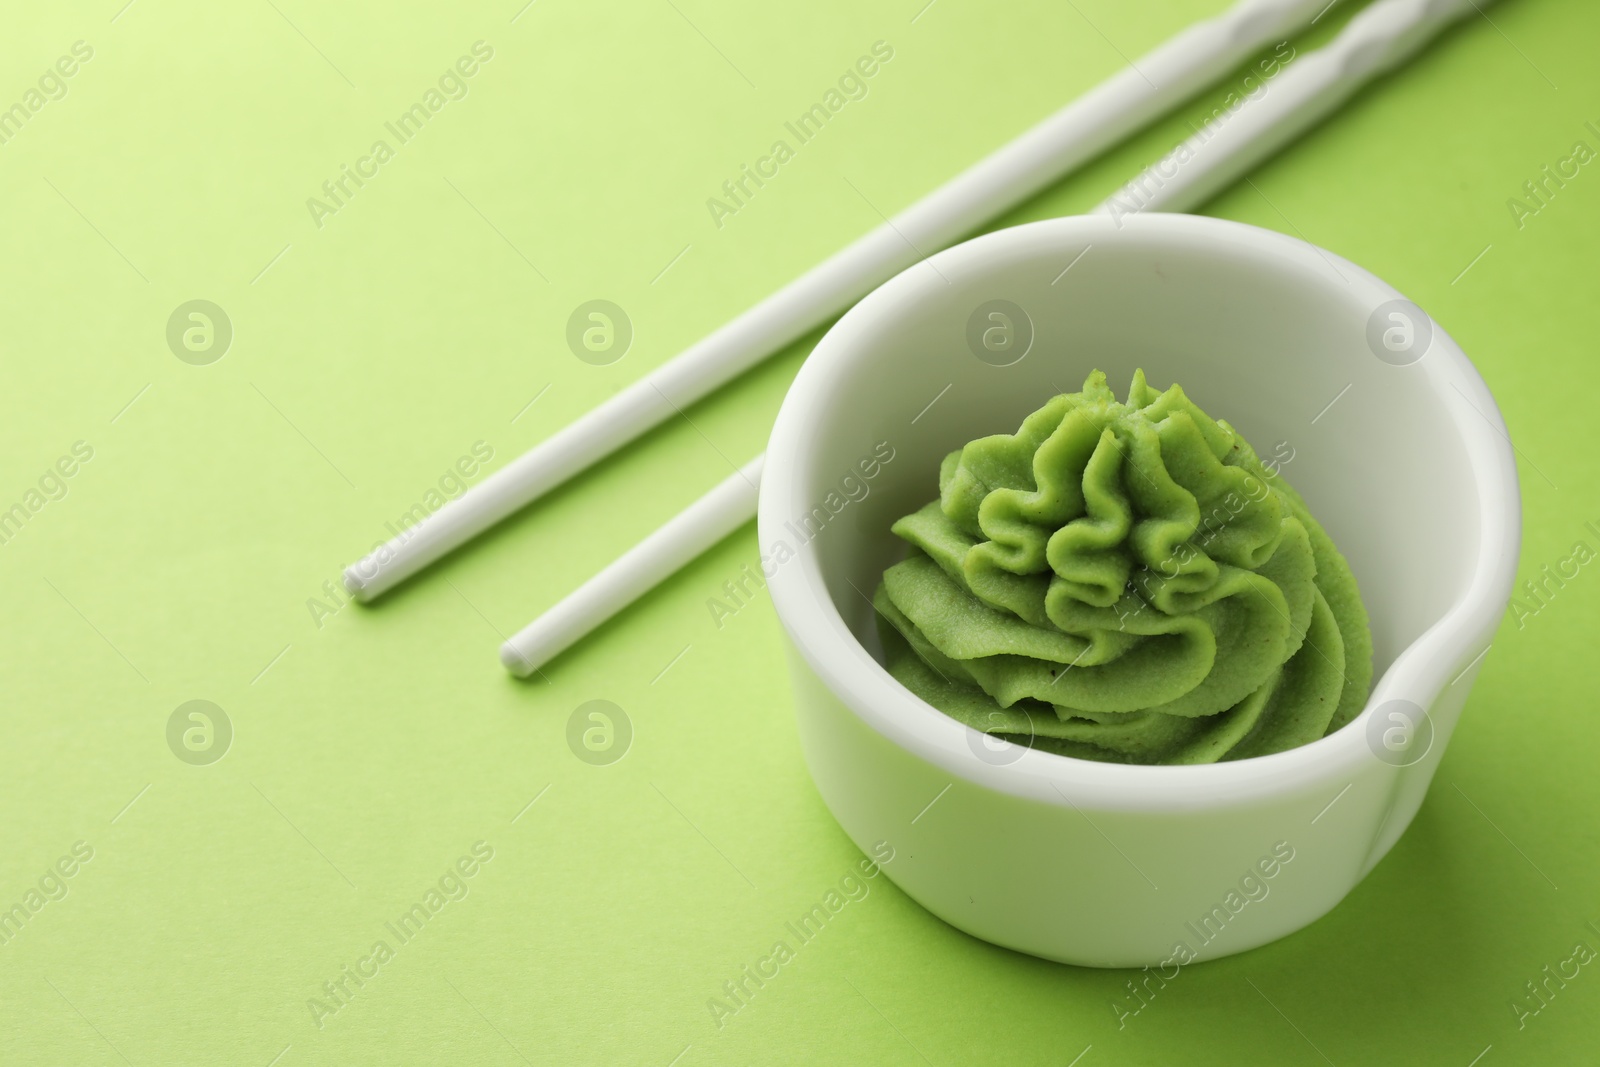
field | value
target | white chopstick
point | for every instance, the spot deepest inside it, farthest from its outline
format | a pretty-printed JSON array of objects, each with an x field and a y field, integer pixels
[
  {"x": 699, "y": 526},
  {"x": 1376, "y": 40},
  {"x": 1108, "y": 113}
]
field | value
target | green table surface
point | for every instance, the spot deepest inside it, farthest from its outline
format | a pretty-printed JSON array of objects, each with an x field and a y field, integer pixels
[{"x": 377, "y": 339}]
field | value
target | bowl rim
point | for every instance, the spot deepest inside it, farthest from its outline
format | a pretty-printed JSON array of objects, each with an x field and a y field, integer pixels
[{"x": 1419, "y": 673}]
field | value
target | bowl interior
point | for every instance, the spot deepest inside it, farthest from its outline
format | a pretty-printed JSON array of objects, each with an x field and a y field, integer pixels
[{"x": 1263, "y": 331}]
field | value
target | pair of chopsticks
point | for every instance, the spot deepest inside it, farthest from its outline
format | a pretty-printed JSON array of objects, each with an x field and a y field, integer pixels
[{"x": 1381, "y": 37}]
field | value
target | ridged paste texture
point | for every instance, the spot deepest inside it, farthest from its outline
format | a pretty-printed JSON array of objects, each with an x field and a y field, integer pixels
[{"x": 1125, "y": 581}]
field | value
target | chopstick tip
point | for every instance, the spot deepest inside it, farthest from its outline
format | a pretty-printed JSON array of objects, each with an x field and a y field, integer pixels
[
  {"x": 514, "y": 661},
  {"x": 359, "y": 587}
]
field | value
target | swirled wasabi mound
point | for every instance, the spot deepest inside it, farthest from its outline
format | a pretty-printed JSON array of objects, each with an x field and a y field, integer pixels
[{"x": 1125, "y": 582}]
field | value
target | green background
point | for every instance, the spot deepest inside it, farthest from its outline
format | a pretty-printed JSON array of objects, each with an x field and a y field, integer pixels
[{"x": 372, "y": 750}]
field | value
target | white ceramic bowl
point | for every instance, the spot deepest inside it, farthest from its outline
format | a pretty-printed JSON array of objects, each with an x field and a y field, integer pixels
[{"x": 1409, "y": 469}]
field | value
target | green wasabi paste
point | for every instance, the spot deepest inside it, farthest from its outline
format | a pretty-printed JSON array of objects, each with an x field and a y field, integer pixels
[{"x": 1125, "y": 582}]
